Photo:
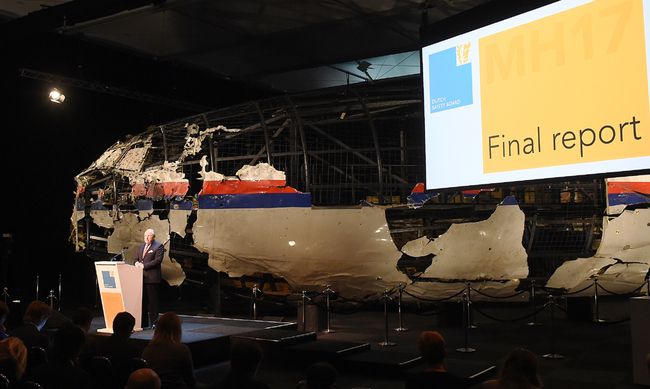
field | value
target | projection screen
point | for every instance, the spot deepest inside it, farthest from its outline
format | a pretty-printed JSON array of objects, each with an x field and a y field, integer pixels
[{"x": 560, "y": 91}]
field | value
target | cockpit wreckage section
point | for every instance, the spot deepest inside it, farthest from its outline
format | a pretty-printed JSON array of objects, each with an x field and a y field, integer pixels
[{"x": 253, "y": 226}]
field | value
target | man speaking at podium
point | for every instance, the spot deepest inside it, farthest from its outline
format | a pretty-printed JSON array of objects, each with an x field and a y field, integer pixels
[{"x": 149, "y": 258}]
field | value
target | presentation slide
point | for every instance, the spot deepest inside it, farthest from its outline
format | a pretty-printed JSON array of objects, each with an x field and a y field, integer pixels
[{"x": 560, "y": 91}]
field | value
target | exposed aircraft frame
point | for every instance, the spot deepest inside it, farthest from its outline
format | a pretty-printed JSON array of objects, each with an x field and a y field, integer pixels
[{"x": 340, "y": 148}]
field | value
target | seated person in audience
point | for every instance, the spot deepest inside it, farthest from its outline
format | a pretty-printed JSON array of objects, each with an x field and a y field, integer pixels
[
  {"x": 61, "y": 371},
  {"x": 168, "y": 357},
  {"x": 433, "y": 351},
  {"x": 16, "y": 348},
  {"x": 321, "y": 375},
  {"x": 118, "y": 349},
  {"x": 519, "y": 371},
  {"x": 4, "y": 312},
  {"x": 143, "y": 379},
  {"x": 9, "y": 368},
  {"x": 83, "y": 318},
  {"x": 30, "y": 332},
  {"x": 245, "y": 359}
]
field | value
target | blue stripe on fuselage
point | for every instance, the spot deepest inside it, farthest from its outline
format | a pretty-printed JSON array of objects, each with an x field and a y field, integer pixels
[{"x": 255, "y": 200}]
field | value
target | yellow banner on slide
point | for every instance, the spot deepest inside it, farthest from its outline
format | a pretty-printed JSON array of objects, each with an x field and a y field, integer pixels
[{"x": 566, "y": 89}]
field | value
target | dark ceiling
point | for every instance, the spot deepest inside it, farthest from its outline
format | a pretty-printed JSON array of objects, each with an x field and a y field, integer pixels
[{"x": 216, "y": 53}]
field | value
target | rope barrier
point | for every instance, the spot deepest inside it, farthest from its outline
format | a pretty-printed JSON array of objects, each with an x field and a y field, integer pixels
[
  {"x": 510, "y": 320},
  {"x": 372, "y": 301},
  {"x": 435, "y": 300},
  {"x": 499, "y": 297},
  {"x": 621, "y": 294}
]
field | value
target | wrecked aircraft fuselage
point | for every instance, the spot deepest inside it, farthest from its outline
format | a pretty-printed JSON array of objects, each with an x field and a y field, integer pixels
[{"x": 330, "y": 208}]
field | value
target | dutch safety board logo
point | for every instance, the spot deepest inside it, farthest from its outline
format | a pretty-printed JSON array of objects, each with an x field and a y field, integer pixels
[{"x": 450, "y": 78}]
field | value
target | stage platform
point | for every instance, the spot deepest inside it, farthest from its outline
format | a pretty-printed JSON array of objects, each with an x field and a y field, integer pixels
[
  {"x": 208, "y": 338},
  {"x": 596, "y": 355}
]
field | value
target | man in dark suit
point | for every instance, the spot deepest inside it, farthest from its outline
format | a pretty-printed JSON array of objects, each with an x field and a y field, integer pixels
[
  {"x": 149, "y": 257},
  {"x": 30, "y": 332}
]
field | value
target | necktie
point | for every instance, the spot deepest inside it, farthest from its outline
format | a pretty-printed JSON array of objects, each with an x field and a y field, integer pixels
[{"x": 146, "y": 250}]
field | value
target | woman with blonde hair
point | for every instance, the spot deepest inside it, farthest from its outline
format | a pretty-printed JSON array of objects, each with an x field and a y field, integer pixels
[
  {"x": 168, "y": 357},
  {"x": 519, "y": 371},
  {"x": 16, "y": 349}
]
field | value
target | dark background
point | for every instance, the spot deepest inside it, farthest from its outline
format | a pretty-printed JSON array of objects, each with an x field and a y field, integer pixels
[{"x": 45, "y": 145}]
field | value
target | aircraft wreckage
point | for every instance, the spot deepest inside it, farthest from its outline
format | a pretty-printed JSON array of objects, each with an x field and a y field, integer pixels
[{"x": 322, "y": 189}]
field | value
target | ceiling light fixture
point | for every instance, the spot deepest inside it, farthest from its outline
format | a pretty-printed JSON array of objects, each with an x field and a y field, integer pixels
[
  {"x": 56, "y": 96},
  {"x": 364, "y": 66}
]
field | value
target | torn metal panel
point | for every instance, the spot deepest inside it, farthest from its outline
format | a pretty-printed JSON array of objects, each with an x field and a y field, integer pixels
[
  {"x": 193, "y": 142},
  {"x": 624, "y": 191},
  {"x": 128, "y": 232},
  {"x": 133, "y": 159},
  {"x": 624, "y": 254},
  {"x": 489, "y": 249},
  {"x": 349, "y": 249},
  {"x": 145, "y": 208},
  {"x": 179, "y": 212},
  {"x": 106, "y": 161},
  {"x": 160, "y": 181},
  {"x": 417, "y": 198},
  {"x": 109, "y": 158},
  {"x": 573, "y": 274},
  {"x": 261, "y": 171},
  {"x": 103, "y": 218}
]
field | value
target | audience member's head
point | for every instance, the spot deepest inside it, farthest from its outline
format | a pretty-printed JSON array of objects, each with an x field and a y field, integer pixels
[
  {"x": 4, "y": 312},
  {"x": 68, "y": 341},
  {"x": 82, "y": 318},
  {"x": 9, "y": 367},
  {"x": 17, "y": 350},
  {"x": 168, "y": 328},
  {"x": 143, "y": 379},
  {"x": 37, "y": 313},
  {"x": 245, "y": 356},
  {"x": 321, "y": 375},
  {"x": 123, "y": 324},
  {"x": 520, "y": 366},
  {"x": 432, "y": 348}
]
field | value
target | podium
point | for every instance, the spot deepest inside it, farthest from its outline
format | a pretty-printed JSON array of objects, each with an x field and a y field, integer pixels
[{"x": 120, "y": 287}]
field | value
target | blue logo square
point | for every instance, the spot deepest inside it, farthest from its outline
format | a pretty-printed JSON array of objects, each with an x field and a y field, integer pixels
[
  {"x": 109, "y": 281},
  {"x": 450, "y": 84}
]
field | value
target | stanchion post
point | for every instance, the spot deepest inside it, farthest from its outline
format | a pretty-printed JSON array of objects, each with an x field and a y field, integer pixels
[
  {"x": 304, "y": 310},
  {"x": 532, "y": 296},
  {"x": 552, "y": 355},
  {"x": 329, "y": 292},
  {"x": 386, "y": 342},
  {"x": 470, "y": 325},
  {"x": 465, "y": 326},
  {"x": 254, "y": 301},
  {"x": 59, "y": 309},
  {"x": 597, "y": 318},
  {"x": 399, "y": 308},
  {"x": 51, "y": 297}
]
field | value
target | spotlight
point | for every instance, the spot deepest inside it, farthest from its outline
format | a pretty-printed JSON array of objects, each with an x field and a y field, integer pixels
[{"x": 56, "y": 96}]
